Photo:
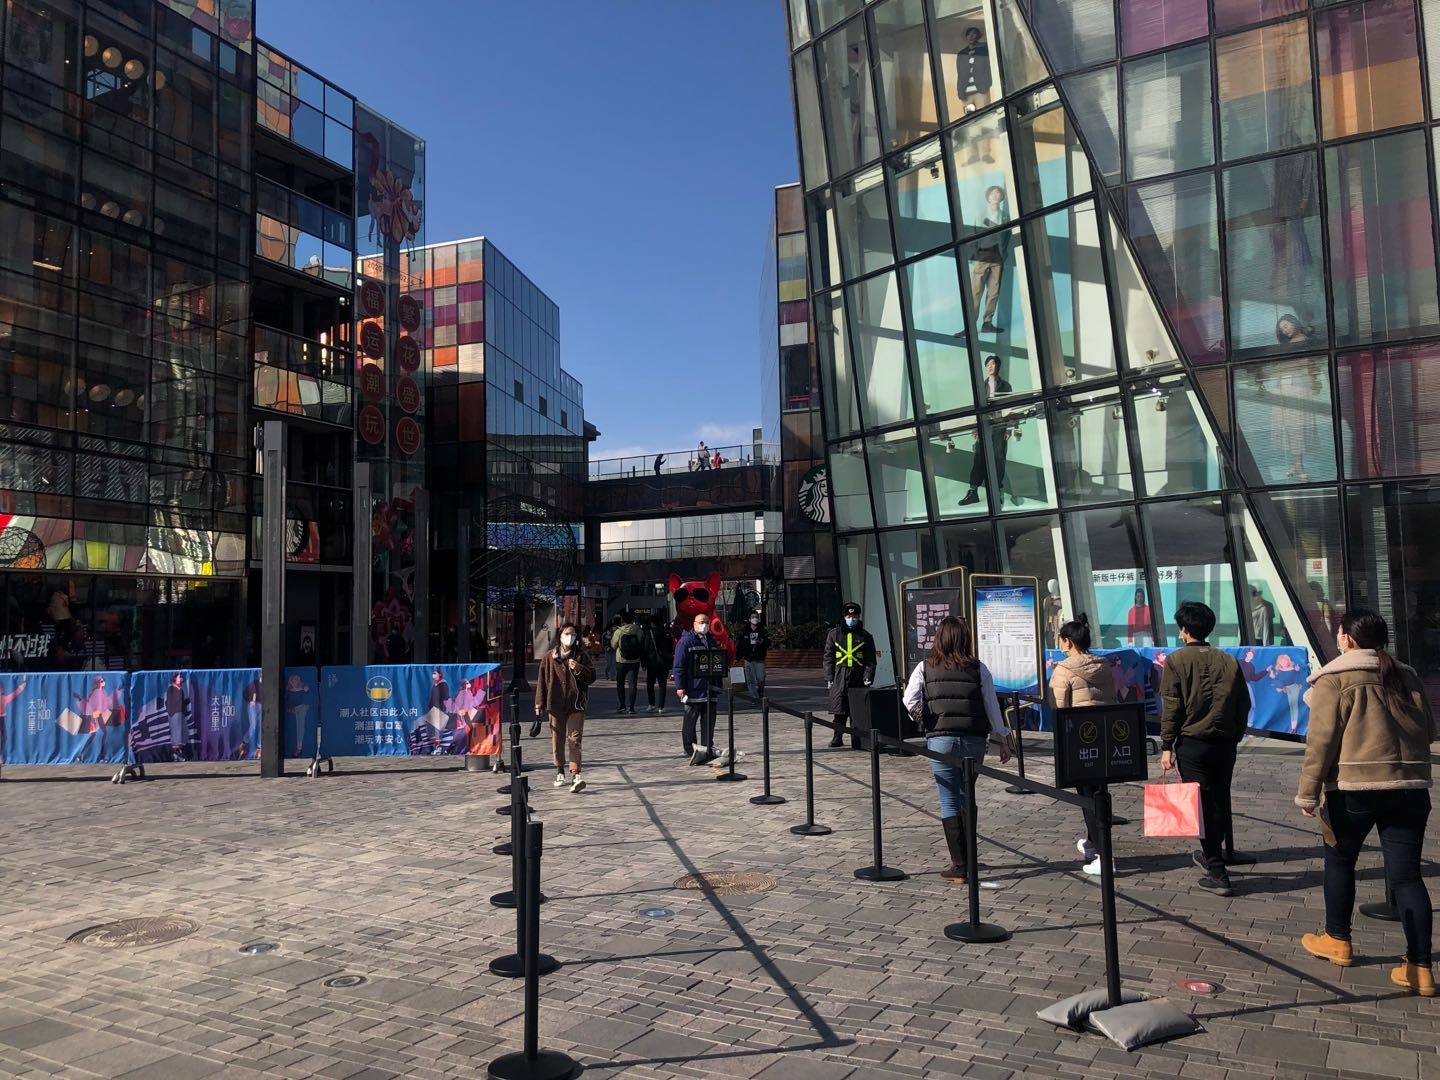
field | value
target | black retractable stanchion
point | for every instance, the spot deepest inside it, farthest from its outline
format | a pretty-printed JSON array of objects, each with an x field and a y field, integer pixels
[
  {"x": 1017, "y": 729},
  {"x": 766, "y": 799},
  {"x": 532, "y": 1063},
  {"x": 877, "y": 870},
  {"x": 730, "y": 773},
  {"x": 508, "y": 848},
  {"x": 512, "y": 965},
  {"x": 973, "y": 932},
  {"x": 511, "y": 897},
  {"x": 1104, "y": 818},
  {"x": 810, "y": 828},
  {"x": 1383, "y": 910}
]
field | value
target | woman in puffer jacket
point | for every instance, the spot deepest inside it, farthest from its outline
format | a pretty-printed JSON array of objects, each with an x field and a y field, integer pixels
[
  {"x": 1082, "y": 678},
  {"x": 1367, "y": 766}
]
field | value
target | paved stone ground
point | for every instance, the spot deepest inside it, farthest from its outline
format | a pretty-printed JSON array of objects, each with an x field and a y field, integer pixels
[{"x": 385, "y": 871}]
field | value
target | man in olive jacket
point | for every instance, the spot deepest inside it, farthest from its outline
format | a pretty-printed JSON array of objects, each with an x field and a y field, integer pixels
[
  {"x": 1207, "y": 709},
  {"x": 849, "y": 661}
]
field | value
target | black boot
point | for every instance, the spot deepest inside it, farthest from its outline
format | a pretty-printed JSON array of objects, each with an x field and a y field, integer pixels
[
  {"x": 837, "y": 736},
  {"x": 954, "y": 842}
]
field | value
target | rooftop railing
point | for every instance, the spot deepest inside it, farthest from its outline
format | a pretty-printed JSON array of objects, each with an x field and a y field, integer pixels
[{"x": 669, "y": 462}]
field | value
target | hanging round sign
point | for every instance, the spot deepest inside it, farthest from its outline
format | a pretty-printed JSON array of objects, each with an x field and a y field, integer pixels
[
  {"x": 407, "y": 354},
  {"x": 372, "y": 425},
  {"x": 407, "y": 436},
  {"x": 372, "y": 382},
  {"x": 372, "y": 299},
  {"x": 407, "y": 393},
  {"x": 372, "y": 340},
  {"x": 409, "y": 313}
]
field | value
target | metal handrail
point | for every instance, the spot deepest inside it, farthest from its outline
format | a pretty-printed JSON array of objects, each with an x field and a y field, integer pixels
[{"x": 685, "y": 461}]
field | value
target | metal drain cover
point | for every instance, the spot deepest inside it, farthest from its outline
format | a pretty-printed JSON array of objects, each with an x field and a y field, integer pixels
[
  {"x": 255, "y": 948},
  {"x": 134, "y": 933},
  {"x": 727, "y": 882},
  {"x": 344, "y": 982}
]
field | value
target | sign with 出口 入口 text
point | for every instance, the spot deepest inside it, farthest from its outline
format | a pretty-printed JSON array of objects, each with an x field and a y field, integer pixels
[{"x": 1100, "y": 744}]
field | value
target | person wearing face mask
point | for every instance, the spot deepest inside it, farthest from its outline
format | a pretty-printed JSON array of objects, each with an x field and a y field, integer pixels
[
  {"x": 698, "y": 688},
  {"x": 750, "y": 650},
  {"x": 849, "y": 659},
  {"x": 562, "y": 690}
]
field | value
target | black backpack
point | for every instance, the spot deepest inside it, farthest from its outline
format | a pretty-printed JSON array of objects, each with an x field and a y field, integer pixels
[{"x": 630, "y": 647}]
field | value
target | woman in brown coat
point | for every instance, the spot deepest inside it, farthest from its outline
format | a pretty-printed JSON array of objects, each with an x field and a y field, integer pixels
[
  {"x": 1082, "y": 678},
  {"x": 561, "y": 691}
]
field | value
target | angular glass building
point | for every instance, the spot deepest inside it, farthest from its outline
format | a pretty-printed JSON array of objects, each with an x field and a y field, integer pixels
[{"x": 1138, "y": 298}]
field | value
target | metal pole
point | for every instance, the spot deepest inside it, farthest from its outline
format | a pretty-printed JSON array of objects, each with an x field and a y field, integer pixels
[
  {"x": 1017, "y": 729},
  {"x": 422, "y": 582},
  {"x": 767, "y": 799},
  {"x": 877, "y": 870},
  {"x": 361, "y": 570},
  {"x": 462, "y": 588},
  {"x": 1107, "y": 895},
  {"x": 272, "y": 629},
  {"x": 809, "y": 828},
  {"x": 974, "y": 931},
  {"x": 730, "y": 773}
]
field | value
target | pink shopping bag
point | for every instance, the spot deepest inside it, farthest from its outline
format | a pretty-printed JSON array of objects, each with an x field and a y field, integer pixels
[{"x": 1173, "y": 810}]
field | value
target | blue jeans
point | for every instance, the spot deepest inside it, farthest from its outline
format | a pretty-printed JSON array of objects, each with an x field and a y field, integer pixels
[
  {"x": 252, "y": 736},
  {"x": 949, "y": 780}
]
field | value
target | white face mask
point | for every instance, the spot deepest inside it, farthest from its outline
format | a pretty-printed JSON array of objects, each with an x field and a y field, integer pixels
[
  {"x": 754, "y": 622},
  {"x": 702, "y": 628},
  {"x": 567, "y": 640}
]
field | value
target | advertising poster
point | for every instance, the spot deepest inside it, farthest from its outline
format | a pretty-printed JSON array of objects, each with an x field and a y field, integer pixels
[
  {"x": 302, "y": 711},
  {"x": 408, "y": 709},
  {"x": 1007, "y": 635},
  {"x": 210, "y": 714},
  {"x": 486, "y": 692},
  {"x": 64, "y": 718},
  {"x": 924, "y": 609}
]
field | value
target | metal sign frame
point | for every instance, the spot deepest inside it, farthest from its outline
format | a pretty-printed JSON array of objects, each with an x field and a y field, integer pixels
[{"x": 903, "y": 672}]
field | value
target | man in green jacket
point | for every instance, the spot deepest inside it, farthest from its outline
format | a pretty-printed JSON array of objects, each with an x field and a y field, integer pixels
[{"x": 1207, "y": 709}]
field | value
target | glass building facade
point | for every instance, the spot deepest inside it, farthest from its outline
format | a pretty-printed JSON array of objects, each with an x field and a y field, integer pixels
[{"x": 1137, "y": 298}]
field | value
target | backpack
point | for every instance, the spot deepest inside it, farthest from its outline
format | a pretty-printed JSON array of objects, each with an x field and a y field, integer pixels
[
  {"x": 630, "y": 647},
  {"x": 649, "y": 650}
]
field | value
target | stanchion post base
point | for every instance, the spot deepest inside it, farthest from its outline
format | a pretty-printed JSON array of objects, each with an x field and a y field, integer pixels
[
  {"x": 546, "y": 1065},
  {"x": 513, "y": 967},
  {"x": 1380, "y": 909},
  {"x": 767, "y": 800},
  {"x": 503, "y": 790},
  {"x": 503, "y": 849},
  {"x": 811, "y": 830},
  {"x": 506, "y": 899},
  {"x": 976, "y": 933},
  {"x": 1014, "y": 790},
  {"x": 880, "y": 873},
  {"x": 733, "y": 777},
  {"x": 504, "y": 811},
  {"x": 1116, "y": 819}
]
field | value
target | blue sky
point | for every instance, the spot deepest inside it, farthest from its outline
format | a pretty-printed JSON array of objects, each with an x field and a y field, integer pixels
[{"x": 623, "y": 153}]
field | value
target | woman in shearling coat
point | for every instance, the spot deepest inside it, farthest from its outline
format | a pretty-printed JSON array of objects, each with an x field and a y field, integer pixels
[{"x": 1082, "y": 678}]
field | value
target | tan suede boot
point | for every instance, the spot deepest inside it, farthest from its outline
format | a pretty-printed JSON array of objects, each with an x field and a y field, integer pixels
[
  {"x": 1420, "y": 978},
  {"x": 1328, "y": 948}
]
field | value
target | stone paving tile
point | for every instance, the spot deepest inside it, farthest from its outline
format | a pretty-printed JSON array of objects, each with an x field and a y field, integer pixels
[{"x": 385, "y": 871}]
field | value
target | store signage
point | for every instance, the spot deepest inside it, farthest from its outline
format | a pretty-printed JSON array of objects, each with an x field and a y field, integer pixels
[
  {"x": 372, "y": 299},
  {"x": 408, "y": 312},
  {"x": 407, "y": 354},
  {"x": 24, "y": 646},
  {"x": 813, "y": 494},
  {"x": 372, "y": 425},
  {"x": 407, "y": 436},
  {"x": 372, "y": 382},
  {"x": 372, "y": 340},
  {"x": 407, "y": 393},
  {"x": 1100, "y": 744}
]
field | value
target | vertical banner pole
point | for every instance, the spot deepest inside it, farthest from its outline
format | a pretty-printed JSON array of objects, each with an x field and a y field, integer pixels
[
  {"x": 272, "y": 630},
  {"x": 360, "y": 568}
]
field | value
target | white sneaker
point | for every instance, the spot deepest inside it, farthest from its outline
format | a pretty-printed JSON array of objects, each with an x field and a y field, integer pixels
[
  {"x": 1086, "y": 849},
  {"x": 1092, "y": 867},
  {"x": 578, "y": 784},
  {"x": 561, "y": 779}
]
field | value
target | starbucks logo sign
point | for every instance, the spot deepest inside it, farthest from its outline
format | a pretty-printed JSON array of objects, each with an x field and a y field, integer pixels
[{"x": 814, "y": 495}]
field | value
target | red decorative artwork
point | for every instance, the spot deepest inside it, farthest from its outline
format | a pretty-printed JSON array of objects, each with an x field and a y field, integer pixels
[
  {"x": 409, "y": 313},
  {"x": 407, "y": 354},
  {"x": 372, "y": 382},
  {"x": 407, "y": 436},
  {"x": 372, "y": 425},
  {"x": 372, "y": 299},
  {"x": 407, "y": 393},
  {"x": 372, "y": 340}
]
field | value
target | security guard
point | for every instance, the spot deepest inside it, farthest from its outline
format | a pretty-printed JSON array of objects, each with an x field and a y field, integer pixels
[{"x": 849, "y": 662}]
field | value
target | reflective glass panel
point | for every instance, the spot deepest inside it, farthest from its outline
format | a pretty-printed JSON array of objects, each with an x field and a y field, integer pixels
[
  {"x": 851, "y": 127},
  {"x": 1173, "y": 227},
  {"x": 980, "y": 163},
  {"x": 1146, "y": 342},
  {"x": 807, "y": 97},
  {"x": 799, "y": 22},
  {"x": 1395, "y": 567},
  {"x": 1283, "y": 414},
  {"x": 1000, "y": 311},
  {"x": 837, "y": 374},
  {"x": 1075, "y": 33},
  {"x": 902, "y": 63},
  {"x": 1191, "y": 555},
  {"x": 1390, "y": 411},
  {"x": 1264, "y": 83},
  {"x": 895, "y": 479},
  {"x": 1072, "y": 319},
  {"x": 1272, "y": 238},
  {"x": 921, "y": 201},
  {"x": 1147, "y": 25},
  {"x": 1092, "y": 455},
  {"x": 1233, "y": 14},
  {"x": 863, "y": 223},
  {"x": 862, "y": 580},
  {"x": 1050, "y": 162},
  {"x": 878, "y": 335},
  {"x": 829, "y": 13},
  {"x": 1095, "y": 103},
  {"x": 956, "y": 468},
  {"x": 1107, "y": 577},
  {"x": 1020, "y": 459},
  {"x": 1382, "y": 254},
  {"x": 1369, "y": 67},
  {"x": 1032, "y": 547},
  {"x": 1303, "y": 528},
  {"x": 1178, "y": 451},
  {"x": 938, "y": 321},
  {"x": 964, "y": 38},
  {"x": 1167, "y": 113},
  {"x": 1021, "y": 64}
]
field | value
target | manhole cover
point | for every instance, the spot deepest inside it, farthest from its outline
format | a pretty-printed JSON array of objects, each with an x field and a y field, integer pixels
[
  {"x": 132, "y": 933},
  {"x": 255, "y": 948},
  {"x": 344, "y": 982},
  {"x": 656, "y": 912},
  {"x": 726, "y": 882}
]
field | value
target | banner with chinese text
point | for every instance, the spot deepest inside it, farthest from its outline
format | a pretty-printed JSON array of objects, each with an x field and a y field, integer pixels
[
  {"x": 410, "y": 709},
  {"x": 63, "y": 718}
]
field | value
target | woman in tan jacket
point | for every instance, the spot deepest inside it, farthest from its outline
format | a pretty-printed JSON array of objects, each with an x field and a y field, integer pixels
[
  {"x": 1082, "y": 678},
  {"x": 1367, "y": 766},
  {"x": 562, "y": 690}
]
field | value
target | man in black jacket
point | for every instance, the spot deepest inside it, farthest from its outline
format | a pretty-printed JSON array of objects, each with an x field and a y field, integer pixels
[
  {"x": 752, "y": 645},
  {"x": 849, "y": 661}
]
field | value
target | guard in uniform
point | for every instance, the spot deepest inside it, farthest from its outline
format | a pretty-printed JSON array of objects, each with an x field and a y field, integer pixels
[{"x": 849, "y": 662}]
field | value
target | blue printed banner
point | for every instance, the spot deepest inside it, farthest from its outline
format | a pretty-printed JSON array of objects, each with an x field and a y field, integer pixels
[
  {"x": 63, "y": 718},
  {"x": 1275, "y": 676},
  {"x": 195, "y": 715},
  {"x": 410, "y": 709},
  {"x": 302, "y": 711}
]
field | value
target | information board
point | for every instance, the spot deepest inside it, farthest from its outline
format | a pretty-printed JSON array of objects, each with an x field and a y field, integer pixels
[
  {"x": 1100, "y": 744},
  {"x": 1007, "y": 635},
  {"x": 924, "y": 609},
  {"x": 707, "y": 664}
]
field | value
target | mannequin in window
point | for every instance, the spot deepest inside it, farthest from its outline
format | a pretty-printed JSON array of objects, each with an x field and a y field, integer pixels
[
  {"x": 1137, "y": 623},
  {"x": 992, "y": 388}
]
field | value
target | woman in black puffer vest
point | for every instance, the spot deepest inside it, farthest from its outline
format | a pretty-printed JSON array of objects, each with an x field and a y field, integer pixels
[{"x": 952, "y": 694}]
